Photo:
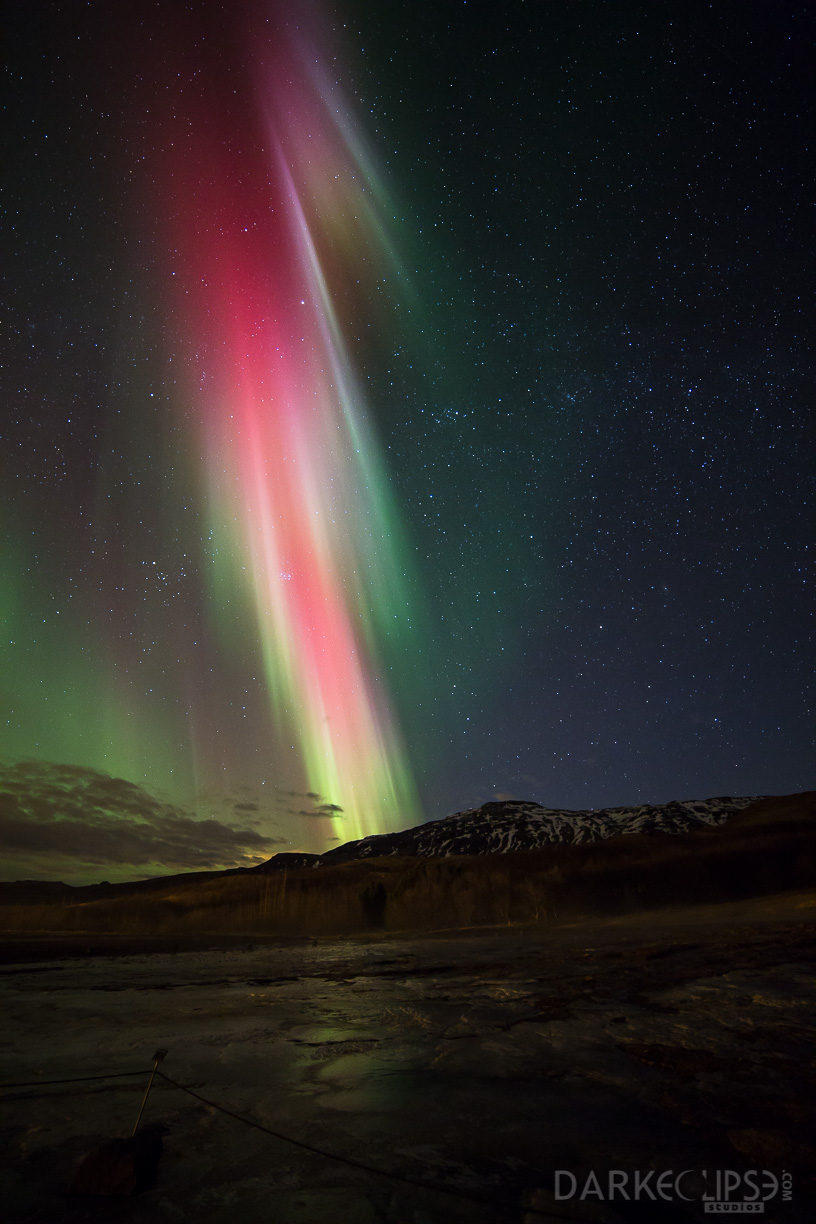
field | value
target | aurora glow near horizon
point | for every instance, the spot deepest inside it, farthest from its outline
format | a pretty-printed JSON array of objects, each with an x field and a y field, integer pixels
[{"x": 295, "y": 486}]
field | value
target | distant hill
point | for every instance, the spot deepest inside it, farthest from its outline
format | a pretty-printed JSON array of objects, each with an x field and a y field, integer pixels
[
  {"x": 500, "y": 864},
  {"x": 512, "y": 825}
]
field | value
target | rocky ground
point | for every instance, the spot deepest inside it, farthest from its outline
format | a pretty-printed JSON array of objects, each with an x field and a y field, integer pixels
[{"x": 479, "y": 1062}]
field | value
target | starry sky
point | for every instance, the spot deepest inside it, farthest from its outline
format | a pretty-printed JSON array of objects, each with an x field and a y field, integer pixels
[{"x": 402, "y": 406}]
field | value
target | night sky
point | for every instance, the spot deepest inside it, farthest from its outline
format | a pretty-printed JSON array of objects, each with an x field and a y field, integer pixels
[{"x": 403, "y": 405}]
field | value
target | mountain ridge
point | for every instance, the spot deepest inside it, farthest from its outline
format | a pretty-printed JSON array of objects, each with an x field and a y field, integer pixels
[
  {"x": 510, "y": 825},
  {"x": 496, "y": 827},
  {"x": 503, "y": 863}
]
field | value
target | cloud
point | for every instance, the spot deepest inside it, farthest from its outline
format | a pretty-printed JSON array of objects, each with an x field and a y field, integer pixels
[
  {"x": 320, "y": 806},
  {"x": 327, "y": 809},
  {"x": 295, "y": 794},
  {"x": 246, "y": 807},
  {"x": 72, "y": 813}
]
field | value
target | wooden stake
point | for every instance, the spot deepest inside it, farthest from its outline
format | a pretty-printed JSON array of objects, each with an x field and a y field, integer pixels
[{"x": 158, "y": 1057}]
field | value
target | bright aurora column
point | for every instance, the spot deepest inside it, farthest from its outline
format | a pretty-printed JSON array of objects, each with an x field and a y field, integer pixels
[{"x": 272, "y": 215}]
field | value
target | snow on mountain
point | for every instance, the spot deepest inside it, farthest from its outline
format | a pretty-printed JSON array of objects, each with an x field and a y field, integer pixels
[{"x": 513, "y": 824}]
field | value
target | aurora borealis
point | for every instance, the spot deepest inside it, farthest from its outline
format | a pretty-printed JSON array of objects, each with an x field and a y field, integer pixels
[
  {"x": 404, "y": 406},
  {"x": 292, "y": 472}
]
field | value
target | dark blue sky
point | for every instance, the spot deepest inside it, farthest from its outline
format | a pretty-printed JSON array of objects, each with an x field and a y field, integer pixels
[{"x": 621, "y": 381}]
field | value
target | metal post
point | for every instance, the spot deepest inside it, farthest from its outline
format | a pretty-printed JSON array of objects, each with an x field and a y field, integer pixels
[{"x": 158, "y": 1057}]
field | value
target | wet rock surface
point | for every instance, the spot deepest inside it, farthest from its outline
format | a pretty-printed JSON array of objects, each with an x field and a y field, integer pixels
[{"x": 479, "y": 1062}]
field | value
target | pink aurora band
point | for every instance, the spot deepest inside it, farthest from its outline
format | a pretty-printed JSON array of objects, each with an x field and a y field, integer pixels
[{"x": 274, "y": 214}]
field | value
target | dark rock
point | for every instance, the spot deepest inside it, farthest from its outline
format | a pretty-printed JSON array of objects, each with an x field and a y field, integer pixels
[
  {"x": 121, "y": 1167},
  {"x": 773, "y": 1149},
  {"x": 682, "y": 1059},
  {"x": 374, "y": 900}
]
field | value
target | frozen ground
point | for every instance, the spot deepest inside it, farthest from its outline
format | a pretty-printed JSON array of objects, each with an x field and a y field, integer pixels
[{"x": 482, "y": 1062}]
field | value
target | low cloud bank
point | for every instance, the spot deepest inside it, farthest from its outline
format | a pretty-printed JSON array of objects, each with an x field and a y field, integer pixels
[{"x": 69, "y": 813}]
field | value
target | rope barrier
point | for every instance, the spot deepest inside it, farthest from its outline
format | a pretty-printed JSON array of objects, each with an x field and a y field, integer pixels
[
  {"x": 76, "y": 1079},
  {"x": 434, "y": 1187},
  {"x": 470, "y": 1196}
]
